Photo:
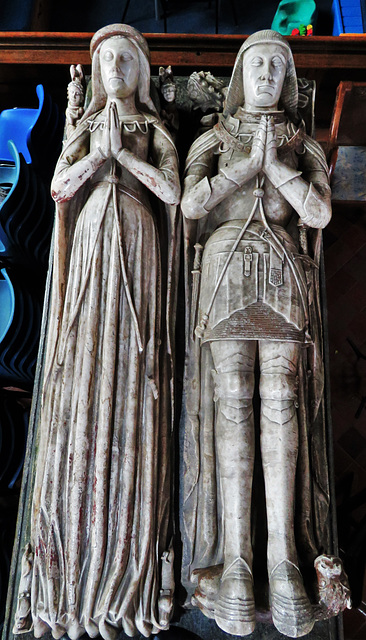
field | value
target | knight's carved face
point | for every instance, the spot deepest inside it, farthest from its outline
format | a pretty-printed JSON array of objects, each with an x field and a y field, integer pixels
[
  {"x": 119, "y": 64},
  {"x": 264, "y": 70}
]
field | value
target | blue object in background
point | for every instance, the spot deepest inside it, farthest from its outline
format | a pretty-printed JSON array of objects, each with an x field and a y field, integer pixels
[
  {"x": 20, "y": 323},
  {"x": 30, "y": 140},
  {"x": 348, "y": 16},
  {"x": 9, "y": 174},
  {"x": 26, "y": 215},
  {"x": 7, "y": 304},
  {"x": 17, "y": 124}
]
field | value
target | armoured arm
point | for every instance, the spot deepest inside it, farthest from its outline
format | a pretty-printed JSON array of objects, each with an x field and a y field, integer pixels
[
  {"x": 309, "y": 193},
  {"x": 161, "y": 177},
  {"x": 197, "y": 186},
  {"x": 74, "y": 168},
  {"x": 203, "y": 192},
  {"x": 311, "y": 200}
]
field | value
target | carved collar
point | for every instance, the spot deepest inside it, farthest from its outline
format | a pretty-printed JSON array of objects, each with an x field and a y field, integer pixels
[
  {"x": 255, "y": 116},
  {"x": 230, "y": 140},
  {"x": 130, "y": 123}
]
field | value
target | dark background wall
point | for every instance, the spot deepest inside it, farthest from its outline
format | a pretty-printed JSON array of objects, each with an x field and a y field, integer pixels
[{"x": 184, "y": 16}]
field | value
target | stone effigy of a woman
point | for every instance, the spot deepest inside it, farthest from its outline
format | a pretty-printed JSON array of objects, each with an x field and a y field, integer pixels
[
  {"x": 256, "y": 491},
  {"x": 98, "y": 558}
]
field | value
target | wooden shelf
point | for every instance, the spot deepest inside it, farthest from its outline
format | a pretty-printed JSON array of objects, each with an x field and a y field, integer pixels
[{"x": 180, "y": 50}]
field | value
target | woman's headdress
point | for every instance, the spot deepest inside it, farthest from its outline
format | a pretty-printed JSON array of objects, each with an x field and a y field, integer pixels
[
  {"x": 143, "y": 99},
  {"x": 289, "y": 96}
]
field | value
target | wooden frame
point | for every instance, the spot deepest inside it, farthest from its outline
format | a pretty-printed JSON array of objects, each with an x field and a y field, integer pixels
[
  {"x": 345, "y": 87},
  {"x": 181, "y": 50}
]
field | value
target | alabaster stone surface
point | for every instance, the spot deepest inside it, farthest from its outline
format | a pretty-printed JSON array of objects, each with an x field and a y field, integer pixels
[
  {"x": 217, "y": 408},
  {"x": 256, "y": 486},
  {"x": 99, "y": 558},
  {"x": 168, "y": 104},
  {"x": 75, "y": 98}
]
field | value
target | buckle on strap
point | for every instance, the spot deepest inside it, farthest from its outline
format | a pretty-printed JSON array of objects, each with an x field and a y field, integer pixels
[{"x": 248, "y": 259}]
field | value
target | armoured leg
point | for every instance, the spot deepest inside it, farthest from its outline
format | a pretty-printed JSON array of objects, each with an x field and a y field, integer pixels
[
  {"x": 234, "y": 431},
  {"x": 279, "y": 444},
  {"x": 291, "y": 609}
]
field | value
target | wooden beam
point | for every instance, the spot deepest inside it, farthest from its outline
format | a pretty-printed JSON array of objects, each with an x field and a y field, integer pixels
[{"x": 181, "y": 50}]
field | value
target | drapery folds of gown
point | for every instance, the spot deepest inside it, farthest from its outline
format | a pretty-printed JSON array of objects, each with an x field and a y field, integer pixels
[{"x": 101, "y": 513}]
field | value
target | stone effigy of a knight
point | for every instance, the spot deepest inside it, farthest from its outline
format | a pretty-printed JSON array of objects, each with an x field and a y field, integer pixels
[{"x": 256, "y": 196}]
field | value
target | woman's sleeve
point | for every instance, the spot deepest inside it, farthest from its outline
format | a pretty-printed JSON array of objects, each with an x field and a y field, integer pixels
[{"x": 75, "y": 166}]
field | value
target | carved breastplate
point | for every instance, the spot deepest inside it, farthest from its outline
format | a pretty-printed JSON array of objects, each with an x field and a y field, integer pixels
[{"x": 236, "y": 139}]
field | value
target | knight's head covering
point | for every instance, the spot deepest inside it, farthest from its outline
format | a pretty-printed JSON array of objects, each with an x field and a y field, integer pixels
[
  {"x": 99, "y": 96},
  {"x": 289, "y": 96}
]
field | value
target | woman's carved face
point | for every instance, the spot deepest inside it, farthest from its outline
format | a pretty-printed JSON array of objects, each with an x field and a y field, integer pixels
[
  {"x": 264, "y": 70},
  {"x": 119, "y": 64}
]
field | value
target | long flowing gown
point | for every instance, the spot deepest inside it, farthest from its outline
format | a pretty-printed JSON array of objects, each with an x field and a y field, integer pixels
[{"x": 100, "y": 521}]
